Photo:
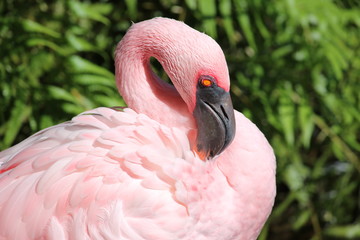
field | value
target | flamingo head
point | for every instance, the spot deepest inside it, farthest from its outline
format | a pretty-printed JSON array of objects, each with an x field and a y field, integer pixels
[{"x": 197, "y": 67}]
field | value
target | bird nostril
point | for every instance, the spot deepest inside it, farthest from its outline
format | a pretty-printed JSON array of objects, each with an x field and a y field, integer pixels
[
  {"x": 212, "y": 153},
  {"x": 224, "y": 112}
]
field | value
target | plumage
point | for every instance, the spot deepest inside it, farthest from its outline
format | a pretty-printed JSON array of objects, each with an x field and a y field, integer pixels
[{"x": 138, "y": 173}]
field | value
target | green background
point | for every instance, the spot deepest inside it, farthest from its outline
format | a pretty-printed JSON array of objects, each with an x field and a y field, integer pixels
[{"x": 294, "y": 67}]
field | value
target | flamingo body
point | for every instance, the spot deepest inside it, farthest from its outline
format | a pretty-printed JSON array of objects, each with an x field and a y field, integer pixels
[{"x": 125, "y": 174}]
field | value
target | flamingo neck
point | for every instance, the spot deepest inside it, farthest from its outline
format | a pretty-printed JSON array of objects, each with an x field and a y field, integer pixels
[{"x": 143, "y": 90}]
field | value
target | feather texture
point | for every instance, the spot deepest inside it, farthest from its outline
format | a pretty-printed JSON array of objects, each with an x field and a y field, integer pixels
[
  {"x": 128, "y": 174},
  {"x": 125, "y": 177}
]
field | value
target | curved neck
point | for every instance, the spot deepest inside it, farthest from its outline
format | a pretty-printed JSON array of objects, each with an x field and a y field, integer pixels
[{"x": 142, "y": 89}]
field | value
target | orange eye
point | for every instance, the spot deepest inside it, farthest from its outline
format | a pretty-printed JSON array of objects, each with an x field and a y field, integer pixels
[{"x": 206, "y": 82}]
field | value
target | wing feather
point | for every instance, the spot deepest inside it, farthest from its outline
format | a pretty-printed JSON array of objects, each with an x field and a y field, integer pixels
[{"x": 107, "y": 170}]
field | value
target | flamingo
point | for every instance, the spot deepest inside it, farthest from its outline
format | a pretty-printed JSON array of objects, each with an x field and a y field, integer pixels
[{"x": 170, "y": 166}]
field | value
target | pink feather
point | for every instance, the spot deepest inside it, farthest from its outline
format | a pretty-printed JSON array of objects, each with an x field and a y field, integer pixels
[{"x": 133, "y": 173}]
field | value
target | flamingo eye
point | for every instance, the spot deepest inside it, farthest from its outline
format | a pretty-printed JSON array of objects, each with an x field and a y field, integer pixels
[{"x": 206, "y": 81}]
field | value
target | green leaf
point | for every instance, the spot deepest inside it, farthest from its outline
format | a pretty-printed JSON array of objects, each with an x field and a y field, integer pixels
[
  {"x": 351, "y": 231},
  {"x": 225, "y": 10},
  {"x": 192, "y": 4},
  {"x": 306, "y": 123},
  {"x": 91, "y": 79},
  {"x": 319, "y": 80},
  {"x": 132, "y": 7},
  {"x": 282, "y": 51},
  {"x": 46, "y": 121},
  {"x": 107, "y": 101},
  {"x": 91, "y": 11},
  {"x": 302, "y": 219},
  {"x": 208, "y": 11},
  {"x": 61, "y": 94},
  {"x": 46, "y": 43},
  {"x": 32, "y": 26},
  {"x": 73, "y": 109},
  {"x": 335, "y": 59},
  {"x": 246, "y": 26},
  {"x": 81, "y": 65},
  {"x": 80, "y": 44},
  {"x": 287, "y": 115},
  {"x": 301, "y": 55},
  {"x": 295, "y": 175},
  {"x": 19, "y": 114},
  {"x": 261, "y": 26}
]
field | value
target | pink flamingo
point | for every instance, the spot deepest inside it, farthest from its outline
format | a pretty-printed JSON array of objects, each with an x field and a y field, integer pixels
[{"x": 171, "y": 166}]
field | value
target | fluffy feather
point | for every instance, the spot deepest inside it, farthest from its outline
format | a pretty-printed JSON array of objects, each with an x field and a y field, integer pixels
[{"x": 125, "y": 174}]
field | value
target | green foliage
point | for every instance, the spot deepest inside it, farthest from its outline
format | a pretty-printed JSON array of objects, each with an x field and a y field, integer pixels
[
  {"x": 56, "y": 62},
  {"x": 294, "y": 65}
]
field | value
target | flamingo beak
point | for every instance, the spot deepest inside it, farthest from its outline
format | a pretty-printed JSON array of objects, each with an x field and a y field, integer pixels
[{"x": 214, "y": 115}]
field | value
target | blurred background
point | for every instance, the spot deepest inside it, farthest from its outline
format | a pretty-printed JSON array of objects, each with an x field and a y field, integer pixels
[{"x": 294, "y": 67}]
